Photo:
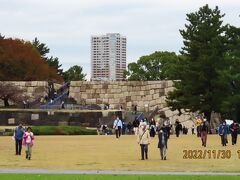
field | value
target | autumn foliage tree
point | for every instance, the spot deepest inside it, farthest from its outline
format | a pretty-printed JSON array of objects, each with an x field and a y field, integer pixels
[{"x": 19, "y": 60}]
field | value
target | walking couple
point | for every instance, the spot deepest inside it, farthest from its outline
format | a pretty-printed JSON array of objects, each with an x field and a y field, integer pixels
[{"x": 143, "y": 138}]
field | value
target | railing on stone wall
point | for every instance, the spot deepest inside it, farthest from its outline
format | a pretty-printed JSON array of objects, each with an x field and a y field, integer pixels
[
  {"x": 55, "y": 101},
  {"x": 140, "y": 116}
]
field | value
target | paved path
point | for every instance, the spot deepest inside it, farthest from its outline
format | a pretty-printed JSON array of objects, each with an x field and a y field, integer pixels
[{"x": 45, "y": 171}]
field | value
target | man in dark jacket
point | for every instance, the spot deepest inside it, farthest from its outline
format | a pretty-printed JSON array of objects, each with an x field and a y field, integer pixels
[
  {"x": 223, "y": 132},
  {"x": 162, "y": 143},
  {"x": 178, "y": 127},
  {"x": 234, "y": 128},
  {"x": 204, "y": 132}
]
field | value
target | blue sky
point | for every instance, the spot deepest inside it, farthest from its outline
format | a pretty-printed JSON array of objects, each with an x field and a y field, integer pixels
[{"x": 67, "y": 25}]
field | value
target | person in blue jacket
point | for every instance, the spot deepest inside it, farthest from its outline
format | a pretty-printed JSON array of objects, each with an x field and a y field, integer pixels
[
  {"x": 18, "y": 135},
  {"x": 223, "y": 132}
]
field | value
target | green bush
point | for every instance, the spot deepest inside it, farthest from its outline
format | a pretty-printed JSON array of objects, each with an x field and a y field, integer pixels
[{"x": 62, "y": 130}]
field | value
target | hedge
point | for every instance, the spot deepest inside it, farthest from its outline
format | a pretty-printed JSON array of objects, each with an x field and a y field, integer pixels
[{"x": 62, "y": 130}]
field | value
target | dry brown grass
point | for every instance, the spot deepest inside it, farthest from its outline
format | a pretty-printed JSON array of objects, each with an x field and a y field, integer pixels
[{"x": 108, "y": 153}]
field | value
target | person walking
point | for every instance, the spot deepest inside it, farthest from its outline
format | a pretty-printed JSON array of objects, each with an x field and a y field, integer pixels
[
  {"x": 223, "y": 132},
  {"x": 143, "y": 138},
  {"x": 136, "y": 124},
  {"x": 234, "y": 128},
  {"x": 62, "y": 105},
  {"x": 28, "y": 138},
  {"x": 162, "y": 142},
  {"x": 152, "y": 125},
  {"x": 18, "y": 136},
  {"x": 198, "y": 124},
  {"x": 178, "y": 127},
  {"x": 204, "y": 132},
  {"x": 168, "y": 127},
  {"x": 193, "y": 130},
  {"x": 117, "y": 125}
]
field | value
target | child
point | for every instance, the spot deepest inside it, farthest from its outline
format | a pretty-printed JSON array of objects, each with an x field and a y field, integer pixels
[{"x": 28, "y": 138}]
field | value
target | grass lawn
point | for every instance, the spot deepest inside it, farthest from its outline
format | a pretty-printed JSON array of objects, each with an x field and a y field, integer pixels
[
  {"x": 107, "y": 153},
  {"x": 110, "y": 177}
]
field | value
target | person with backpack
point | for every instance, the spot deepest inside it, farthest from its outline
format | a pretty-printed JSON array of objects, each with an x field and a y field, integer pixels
[
  {"x": 234, "y": 128},
  {"x": 204, "y": 132},
  {"x": 223, "y": 132},
  {"x": 143, "y": 138},
  {"x": 18, "y": 136},
  {"x": 117, "y": 125}
]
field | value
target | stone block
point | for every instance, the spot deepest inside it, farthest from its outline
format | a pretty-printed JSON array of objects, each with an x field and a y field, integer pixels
[
  {"x": 152, "y": 103},
  {"x": 63, "y": 123},
  {"x": 105, "y": 86},
  {"x": 76, "y": 89},
  {"x": 143, "y": 88},
  {"x": 155, "y": 96},
  {"x": 141, "y": 93},
  {"x": 126, "y": 94},
  {"x": 115, "y": 86},
  {"x": 30, "y": 89},
  {"x": 34, "y": 117},
  {"x": 99, "y": 101},
  {"x": 152, "y": 91},
  {"x": 91, "y": 101},
  {"x": 83, "y": 89},
  {"x": 84, "y": 96},
  {"x": 128, "y": 99},
  {"x": 28, "y": 84},
  {"x": 11, "y": 121},
  {"x": 149, "y": 97},
  {"x": 161, "y": 92},
  {"x": 103, "y": 91},
  {"x": 34, "y": 83},
  {"x": 124, "y": 88}
]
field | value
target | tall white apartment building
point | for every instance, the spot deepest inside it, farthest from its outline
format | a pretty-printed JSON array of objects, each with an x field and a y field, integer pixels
[{"x": 108, "y": 56}]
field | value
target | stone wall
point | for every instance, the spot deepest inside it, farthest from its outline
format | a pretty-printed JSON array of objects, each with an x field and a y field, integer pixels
[
  {"x": 55, "y": 118},
  {"x": 145, "y": 94},
  {"x": 31, "y": 88}
]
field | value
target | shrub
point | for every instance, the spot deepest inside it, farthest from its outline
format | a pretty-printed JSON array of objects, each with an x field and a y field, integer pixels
[{"x": 62, "y": 130}]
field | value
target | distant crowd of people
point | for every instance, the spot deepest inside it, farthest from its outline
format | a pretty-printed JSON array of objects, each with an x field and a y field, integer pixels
[{"x": 145, "y": 130}]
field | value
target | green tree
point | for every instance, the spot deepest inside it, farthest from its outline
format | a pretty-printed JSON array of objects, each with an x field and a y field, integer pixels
[
  {"x": 41, "y": 48},
  {"x": 74, "y": 73},
  {"x": 230, "y": 106},
  {"x": 43, "y": 51},
  {"x": 200, "y": 88},
  {"x": 156, "y": 66}
]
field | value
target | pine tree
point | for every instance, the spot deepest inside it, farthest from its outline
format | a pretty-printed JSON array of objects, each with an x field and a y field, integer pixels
[{"x": 199, "y": 88}]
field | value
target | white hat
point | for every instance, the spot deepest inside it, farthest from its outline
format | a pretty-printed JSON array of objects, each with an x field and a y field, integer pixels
[{"x": 143, "y": 124}]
